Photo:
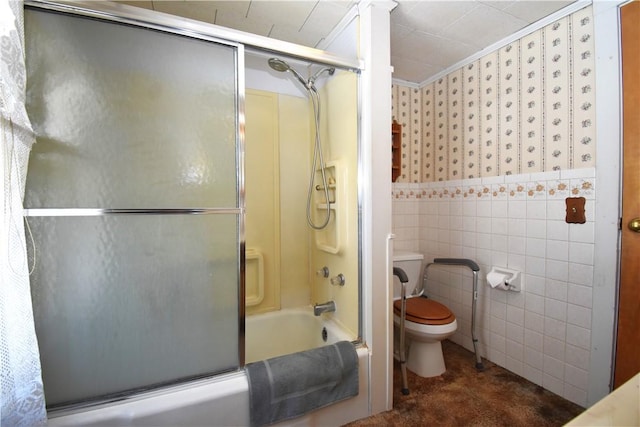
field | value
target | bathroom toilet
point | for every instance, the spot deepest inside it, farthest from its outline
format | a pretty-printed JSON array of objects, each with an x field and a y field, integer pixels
[{"x": 427, "y": 322}]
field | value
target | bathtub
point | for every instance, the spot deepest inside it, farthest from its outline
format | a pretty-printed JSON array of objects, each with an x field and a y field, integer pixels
[
  {"x": 224, "y": 399},
  {"x": 289, "y": 331}
]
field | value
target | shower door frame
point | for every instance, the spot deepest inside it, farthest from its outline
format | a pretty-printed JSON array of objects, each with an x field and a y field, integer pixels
[
  {"x": 146, "y": 19},
  {"x": 238, "y": 210}
]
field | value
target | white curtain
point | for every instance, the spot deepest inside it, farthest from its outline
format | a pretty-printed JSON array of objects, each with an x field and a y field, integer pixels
[{"x": 22, "y": 395}]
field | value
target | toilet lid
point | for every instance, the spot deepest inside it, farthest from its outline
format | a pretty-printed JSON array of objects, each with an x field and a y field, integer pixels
[{"x": 425, "y": 311}]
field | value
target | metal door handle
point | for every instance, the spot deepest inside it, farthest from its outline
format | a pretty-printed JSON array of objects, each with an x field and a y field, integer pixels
[{"x": 634, "y": 225}]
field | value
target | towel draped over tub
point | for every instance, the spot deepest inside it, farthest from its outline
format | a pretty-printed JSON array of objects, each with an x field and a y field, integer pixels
[{"x": 289, "y": 386}]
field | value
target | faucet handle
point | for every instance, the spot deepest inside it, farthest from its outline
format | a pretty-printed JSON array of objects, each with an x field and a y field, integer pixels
[
  {"x": 323, "y": 272},
  {"x": 338, "y": 280}
]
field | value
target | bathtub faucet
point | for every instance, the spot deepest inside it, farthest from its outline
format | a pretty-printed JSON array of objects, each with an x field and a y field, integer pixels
[{"x": 326, "y": 307}]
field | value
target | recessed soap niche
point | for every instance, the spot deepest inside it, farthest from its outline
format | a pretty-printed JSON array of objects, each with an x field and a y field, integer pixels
[{"x": 330, "y": 239}]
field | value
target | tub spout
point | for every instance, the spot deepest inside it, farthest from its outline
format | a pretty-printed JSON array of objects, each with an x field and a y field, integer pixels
[{"x": 326, "y": 307}]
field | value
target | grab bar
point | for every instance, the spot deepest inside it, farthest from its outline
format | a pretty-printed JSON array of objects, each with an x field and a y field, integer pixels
[
  {"x": 321, "y": 187},
  {"x": 397, "y": 271},
  {"x": 458, "y": 261},
  {"x": 464, "y": 262}
]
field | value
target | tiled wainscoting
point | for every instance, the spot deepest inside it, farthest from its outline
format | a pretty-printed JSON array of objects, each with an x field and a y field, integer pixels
[{"x": 517, "y": 222}]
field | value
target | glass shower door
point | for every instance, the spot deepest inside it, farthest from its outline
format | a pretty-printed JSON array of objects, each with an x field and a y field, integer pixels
[{"x": 132, "y": 198}]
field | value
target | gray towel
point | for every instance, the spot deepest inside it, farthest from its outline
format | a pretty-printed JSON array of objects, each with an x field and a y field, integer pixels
[{"x": 289, "y": 386}]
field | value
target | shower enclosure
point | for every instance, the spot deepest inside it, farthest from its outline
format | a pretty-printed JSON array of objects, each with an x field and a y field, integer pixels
[
  {"x": 281, "y": 143},
  {"x": 135, "y": 201}
]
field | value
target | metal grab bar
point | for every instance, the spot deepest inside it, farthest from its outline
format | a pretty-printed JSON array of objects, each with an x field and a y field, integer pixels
[
  {"x": 321, "y": 188},
  {"x": 464, "y": 262},
  {"x": 397, "y": 271},
  {"x": 458, "y": 261}
]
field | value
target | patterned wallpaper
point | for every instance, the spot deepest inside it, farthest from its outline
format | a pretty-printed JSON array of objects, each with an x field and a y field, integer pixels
[{"x": 526, "y": 107}]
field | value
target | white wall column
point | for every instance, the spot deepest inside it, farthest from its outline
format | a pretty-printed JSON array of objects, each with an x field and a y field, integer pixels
[
  {"x": 608, "y": 169},
  {"x": 375, "y": 52}
]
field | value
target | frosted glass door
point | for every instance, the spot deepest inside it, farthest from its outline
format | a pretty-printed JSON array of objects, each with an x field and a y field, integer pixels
[
  {"x": 128, "y": 117},
  {"x": 126, "y": 302},
  {"x": 137, "y": 132}
]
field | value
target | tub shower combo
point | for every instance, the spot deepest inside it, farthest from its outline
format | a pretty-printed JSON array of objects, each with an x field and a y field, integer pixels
[{"x": 156, "y": 288}]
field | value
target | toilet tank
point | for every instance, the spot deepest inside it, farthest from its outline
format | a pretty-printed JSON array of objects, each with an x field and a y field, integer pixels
[{"x": 411, "y": 263}]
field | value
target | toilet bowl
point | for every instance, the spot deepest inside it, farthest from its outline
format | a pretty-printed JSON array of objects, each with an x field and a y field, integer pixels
[{"x": 427, "y": 322}]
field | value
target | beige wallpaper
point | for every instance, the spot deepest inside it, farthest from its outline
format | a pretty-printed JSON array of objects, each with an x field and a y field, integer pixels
[{"x": 526, "y": 107}]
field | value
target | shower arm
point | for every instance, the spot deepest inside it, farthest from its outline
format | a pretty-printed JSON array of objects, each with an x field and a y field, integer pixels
[
  {"x": 312, "y": 79},
  {"x": 306, "y": 83}
]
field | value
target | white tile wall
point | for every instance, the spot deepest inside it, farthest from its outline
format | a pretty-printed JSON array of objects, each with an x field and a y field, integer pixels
[{"x": 515, "y": 221}]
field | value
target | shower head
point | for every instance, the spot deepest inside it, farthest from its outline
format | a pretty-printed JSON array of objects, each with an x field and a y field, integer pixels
[{"x": 281, "y": 66}]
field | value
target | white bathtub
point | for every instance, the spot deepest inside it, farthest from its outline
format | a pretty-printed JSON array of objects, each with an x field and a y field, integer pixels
[
  {"x": 289, "y": 331},
  {"x": 224, "y": 399}
]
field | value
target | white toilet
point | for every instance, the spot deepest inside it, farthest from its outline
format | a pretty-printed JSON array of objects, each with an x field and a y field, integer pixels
[{"x": 427, "y": 322}]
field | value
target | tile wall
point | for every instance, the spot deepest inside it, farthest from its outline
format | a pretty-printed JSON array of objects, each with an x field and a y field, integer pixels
[{"x": 514, "y": 221}]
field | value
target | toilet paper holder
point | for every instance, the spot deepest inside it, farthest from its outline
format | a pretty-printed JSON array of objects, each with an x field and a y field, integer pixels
[{"x": 505, "y": 279}]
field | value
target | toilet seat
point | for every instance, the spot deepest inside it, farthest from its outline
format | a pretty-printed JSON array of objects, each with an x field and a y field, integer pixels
[{"x": 425, "y": 311}]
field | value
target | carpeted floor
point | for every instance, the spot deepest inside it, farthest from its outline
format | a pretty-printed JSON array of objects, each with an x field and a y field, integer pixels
[{"x": 464, "y": 397}]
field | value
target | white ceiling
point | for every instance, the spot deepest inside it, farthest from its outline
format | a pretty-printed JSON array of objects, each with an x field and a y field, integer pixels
[{"x": 427, "y": 36}]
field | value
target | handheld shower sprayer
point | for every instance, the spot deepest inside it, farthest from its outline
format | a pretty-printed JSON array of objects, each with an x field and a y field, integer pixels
[{"x": 281, "y": 66}]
